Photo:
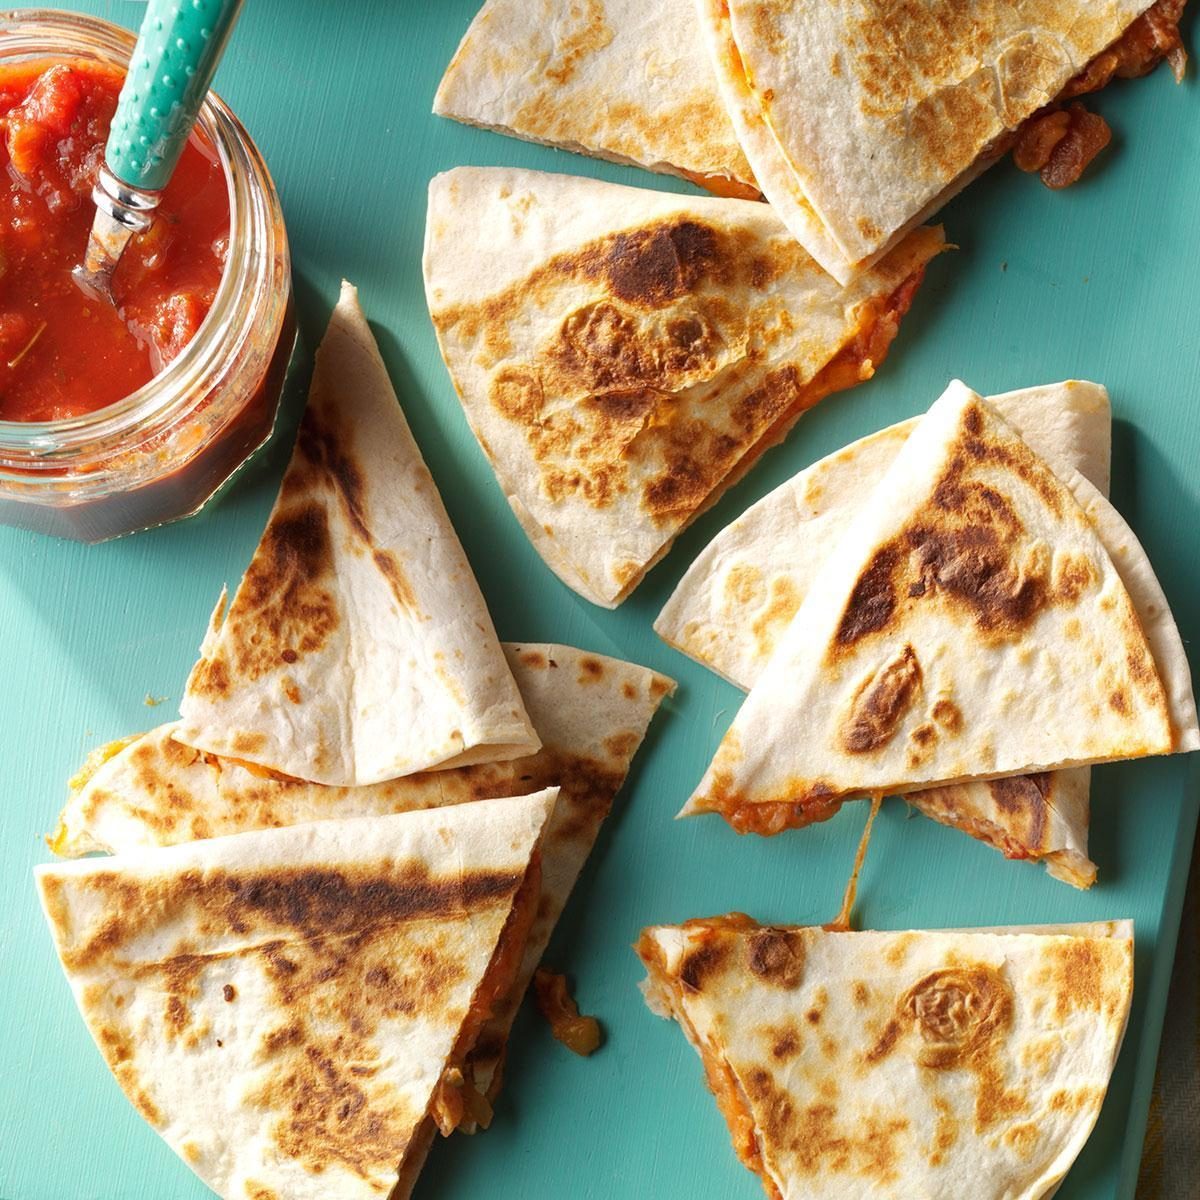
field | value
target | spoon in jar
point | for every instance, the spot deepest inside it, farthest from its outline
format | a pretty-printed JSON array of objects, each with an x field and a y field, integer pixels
[{"x": 177, "y": 52}]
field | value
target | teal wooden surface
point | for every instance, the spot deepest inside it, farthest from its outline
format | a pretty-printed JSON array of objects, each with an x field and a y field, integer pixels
[{"x": 1099, "y": 282}]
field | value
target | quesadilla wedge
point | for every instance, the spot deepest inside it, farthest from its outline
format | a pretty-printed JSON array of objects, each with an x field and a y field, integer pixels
[
  {"x": 623, "y": 356},
  {"x": 290, "y": 1009},
  {"x": 860, "y": 120},
  {"x": 616, "y": 79},
  {"x": 590, "y": 711},
  {"x": 968, "y": 596},
  {"x": 921, "y": 1063},
  {"x": 358, "y": 646},
  {"x": 741, "y": 593}
]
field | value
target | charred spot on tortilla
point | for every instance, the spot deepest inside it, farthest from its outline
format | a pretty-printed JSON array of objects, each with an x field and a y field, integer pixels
[
  {"x": 969, "y": 550},
  {"x": 285, "y": 588},
  {"x": 777, "y": 956},
  {"x": 947, "y": 714},
  {"x": 872, "y": 601},
  {"x": 881, "y": 702},
  {"x": 1073, "y": 576},
  {"x": 916, "y": 42},
  {"x": 885, "y": 1042},
  {"x": 974, "y": 567},
  {"x": 653, "y": 266},
  {"x": 1019, "y": 792},
  {"x": 702, "y": 962},
  {"x": 973, "y": 444},
  {"x": 961, "y": 1013},
  {"x": 320, "y": 446},
  {"x": 948, "y": 126},
  {"x": 591, "y": 669},
  {"x": 309, "y": 901},
  {"x": 785, "y": 1042},
  {"x": 1024, "y": 798}
]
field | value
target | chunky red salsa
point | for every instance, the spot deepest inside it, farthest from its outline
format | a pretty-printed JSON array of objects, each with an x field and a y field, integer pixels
[{"x": 61, "y": 353}]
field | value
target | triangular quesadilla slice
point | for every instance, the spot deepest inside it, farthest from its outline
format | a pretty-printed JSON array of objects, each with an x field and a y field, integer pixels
[
  {"x": 742, "y": 591},
  {"x": 616, "y": 79},
  {"x": 590, "y": 711},
  {"x": 966, "y": 599},
  {"x": 290, "y": 1009},
  {"x": 860, "y": 120},
  {"x": 894, "y": 1065},
  {"x": 623, "y": 355},
  {"x": 358, "y": 646}
]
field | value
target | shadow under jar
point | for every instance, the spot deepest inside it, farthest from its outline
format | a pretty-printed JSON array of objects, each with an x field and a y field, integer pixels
[{"x": 162, "y": 451}]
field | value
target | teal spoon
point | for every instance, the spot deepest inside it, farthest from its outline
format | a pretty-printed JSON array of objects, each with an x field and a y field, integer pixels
[{"x": 177, "y": 52}]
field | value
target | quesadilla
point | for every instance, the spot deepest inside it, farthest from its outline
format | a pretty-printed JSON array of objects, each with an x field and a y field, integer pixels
[
  {"x": 966, "y": 598},
  {"x": 860, "y": 120},
  {"x": 623, "y": 355},
  {"x": 358, "y": 646},
  {"x": 290, "y": 1009},
  {"x": 921, "y": 1063},
  {"x": 616, "y": 79},
  {"x": 590, "y": 711},
  {"x": 743, "y": 590}
]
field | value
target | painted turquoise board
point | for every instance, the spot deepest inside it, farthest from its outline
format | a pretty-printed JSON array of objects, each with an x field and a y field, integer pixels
[{"x": 1100, "y": 282}]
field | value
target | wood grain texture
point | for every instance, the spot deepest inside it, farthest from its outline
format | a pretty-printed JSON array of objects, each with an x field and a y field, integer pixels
[{"x": 1098, "y": 282}]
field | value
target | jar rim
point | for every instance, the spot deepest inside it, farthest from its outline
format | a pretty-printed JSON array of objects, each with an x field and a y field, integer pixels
[{"x": 165, "y": 397}]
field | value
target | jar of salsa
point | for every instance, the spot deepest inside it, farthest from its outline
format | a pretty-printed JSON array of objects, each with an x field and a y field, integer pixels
[{"x": 80, "y": 455}]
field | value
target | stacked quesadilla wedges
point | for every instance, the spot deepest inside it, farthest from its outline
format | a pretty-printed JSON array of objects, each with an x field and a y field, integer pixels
[
  {"x": 861, "y": 119},
  {"x": 894, "y": 1065},
  {"x": 618, "y": 79},
  {"x": 291, "y": 1009},
  {"x": 623, "y": 356},
  {"x": 358, "y": 647},
  {"x": 741, "y": 593},
  {"x": 590, "y": 711},
  {"x": 969, "y": 625}
]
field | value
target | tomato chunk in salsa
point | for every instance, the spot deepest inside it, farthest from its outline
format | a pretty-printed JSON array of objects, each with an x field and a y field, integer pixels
[{"x": 63, "y": 354}]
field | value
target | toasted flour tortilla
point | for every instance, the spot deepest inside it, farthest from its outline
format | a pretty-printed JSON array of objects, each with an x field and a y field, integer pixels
[
  {"x": 358, "y": 647},
  {"x": 968, "y": 596},
  {"x": 860, "y": 119},
  {"x": 615, "y": 79},
  {"x": 590, "y": 711},
  {"x": 624, "y": 355},
  {"x": 920, "y": 1063},
  {"x": 281, "y": 1006},
  {"x": 744, "y": 588}
]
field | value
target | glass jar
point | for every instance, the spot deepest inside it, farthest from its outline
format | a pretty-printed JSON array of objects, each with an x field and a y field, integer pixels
[{"x": 164, "y": 450}]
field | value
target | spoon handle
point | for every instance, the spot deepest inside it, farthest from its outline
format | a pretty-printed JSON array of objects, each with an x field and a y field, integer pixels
[{"x": 178, "y": 48}]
